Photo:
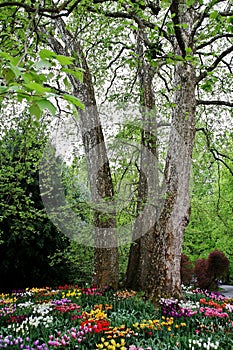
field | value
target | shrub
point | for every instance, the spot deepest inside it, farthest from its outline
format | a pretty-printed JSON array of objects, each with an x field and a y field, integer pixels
[
  {"x": 217, "y": 265},
  {"x": 186, "y": 270},
  {"x": 201, "y": 273},
  {"x": 209, "y": 271}
]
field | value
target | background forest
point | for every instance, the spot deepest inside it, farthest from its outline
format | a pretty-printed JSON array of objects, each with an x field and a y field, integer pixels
[{"x": 58, "y": 59}]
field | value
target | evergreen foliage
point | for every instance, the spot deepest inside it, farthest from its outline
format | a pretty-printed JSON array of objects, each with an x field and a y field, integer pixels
[{"x": 28, "y": 237}]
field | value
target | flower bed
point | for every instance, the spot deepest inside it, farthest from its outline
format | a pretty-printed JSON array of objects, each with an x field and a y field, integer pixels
[{"x": 73, "y": 318}]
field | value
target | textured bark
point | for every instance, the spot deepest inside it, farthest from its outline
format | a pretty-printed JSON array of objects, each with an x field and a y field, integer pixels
[
  {"x": 105, "y": 239},
  {"x": 164, "y": 280},
  {"x": 142, "y": 246}
]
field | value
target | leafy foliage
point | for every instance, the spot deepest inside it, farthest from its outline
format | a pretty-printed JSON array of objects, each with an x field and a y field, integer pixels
[
  {"x": 201, "y": 273},
  {"x": 30, "y": 81},
  {"x": 186, "y": 270},
  {"x": 79, "y": 259},
  {"x": 217, "y": 264},
  {"x": 209, "y": 271},
  {"x": 210, "y": 225},
  {"x": 27, "y": 235}
]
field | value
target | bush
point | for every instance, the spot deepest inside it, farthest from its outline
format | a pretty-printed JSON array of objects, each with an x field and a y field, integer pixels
[
  {"x": 186, "y": 270},
  {"x": 27, "y": 235},
  {"x": 201, "y": 273},
  {"x": 217, "y": 265},
  {"x": 209, "y": 271},
  {"x": 78, "y": 261}
]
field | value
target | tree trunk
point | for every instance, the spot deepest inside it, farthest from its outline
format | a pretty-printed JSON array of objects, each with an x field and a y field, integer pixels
[
  {"x": 142, "y": 245},
  {"x": 164, "y": 280},
  {"x": 105, "y": 238}
]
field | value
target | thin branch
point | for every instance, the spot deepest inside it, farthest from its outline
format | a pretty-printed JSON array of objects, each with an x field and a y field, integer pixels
[
  {"x": 203, "y": 15},
  {"x": 221, "y": 161},
  {"x": 113, "y": 79},
  {"x": 228, "y": 66},
  {"x": 130, "y": 162},
  {"x": 226, "y": 13},
  {"x": 165, "y": 96},
  {"x": 140, "y": 21},
  {"x": 163, "y": 125},
  {"x": 215, "y": 102},
  {"x": 215, "y": 63},
  {"x": 164, "y": 80},
  {"x": 116, "y": 58},
  {"x": 62, "y": 10},
  {"x": 217, "y": 37},
  {"x": 117, "y": 14},
  {"x": 218, "y": 156},
  {"x": 40, "y": 9}
]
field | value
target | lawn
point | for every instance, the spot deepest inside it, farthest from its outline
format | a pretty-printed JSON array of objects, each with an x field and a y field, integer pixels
[{"x": 70, "y": 317}]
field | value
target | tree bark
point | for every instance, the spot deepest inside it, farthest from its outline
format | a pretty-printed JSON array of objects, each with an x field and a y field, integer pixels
[
  {"x": 101, "y": 186},
  {"x": 142, "y": 245},
  {"x": 164, "y": 280}
]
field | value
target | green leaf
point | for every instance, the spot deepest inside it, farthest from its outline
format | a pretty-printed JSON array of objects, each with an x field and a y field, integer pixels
[
  {"x": 6, "y": 55},
  {"x": 178, "y": 58},
  {"x": 44, "y": 53},
  {"x": 27, "y": 77},
  {"x": 8, "y": 75},
  {"x": 214, "y": 14},
  {"x": 190, "y": 2},
  {"x": 64, "y": 60},
  {"x": 46, "y": 104},
  {"x": 74, "y": 100},
  {"x": 36, "y": 87},
  {"x": 35, "y": 110},
  {"x": 207, "y": 85},
  {"x": 50, "y": 76},
  {"x": 189, "y": 58},
  {"x": 42, "y": 64},
  {"x": 183, "y": 25},
  {"x": 3, "y": 89},
  {"x": 188, "y": 50},
  {"x": 14, "y": 88},
  {"x": 78, "y": 74},
  {"x": 66, "y": 82}
]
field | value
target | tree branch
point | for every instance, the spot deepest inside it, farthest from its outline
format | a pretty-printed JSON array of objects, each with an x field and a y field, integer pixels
[
  {"x": 227, "y": 35},
  {"x": 206, "y": 14},
  {"x": 176, "y": 20},
  {"x": 140, "y": 21},
  {"x": 54, "y": 12},
  {"x": 226, "y": 13},
  {"x": 112, "y": 81},
  {"x": 116, "y": 58},
  {"x": 39, "y": 9},
  {"x": 215, "y": 102},
  {"x": 215, "y": 63},
  {"x": 218, "y": 156},
  {"x": 154, "y": 7}
]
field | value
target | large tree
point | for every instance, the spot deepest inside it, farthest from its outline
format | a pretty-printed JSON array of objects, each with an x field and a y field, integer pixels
[
  {"x": 101, "y": 187},
  {"x": 190, "y": 43}
]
